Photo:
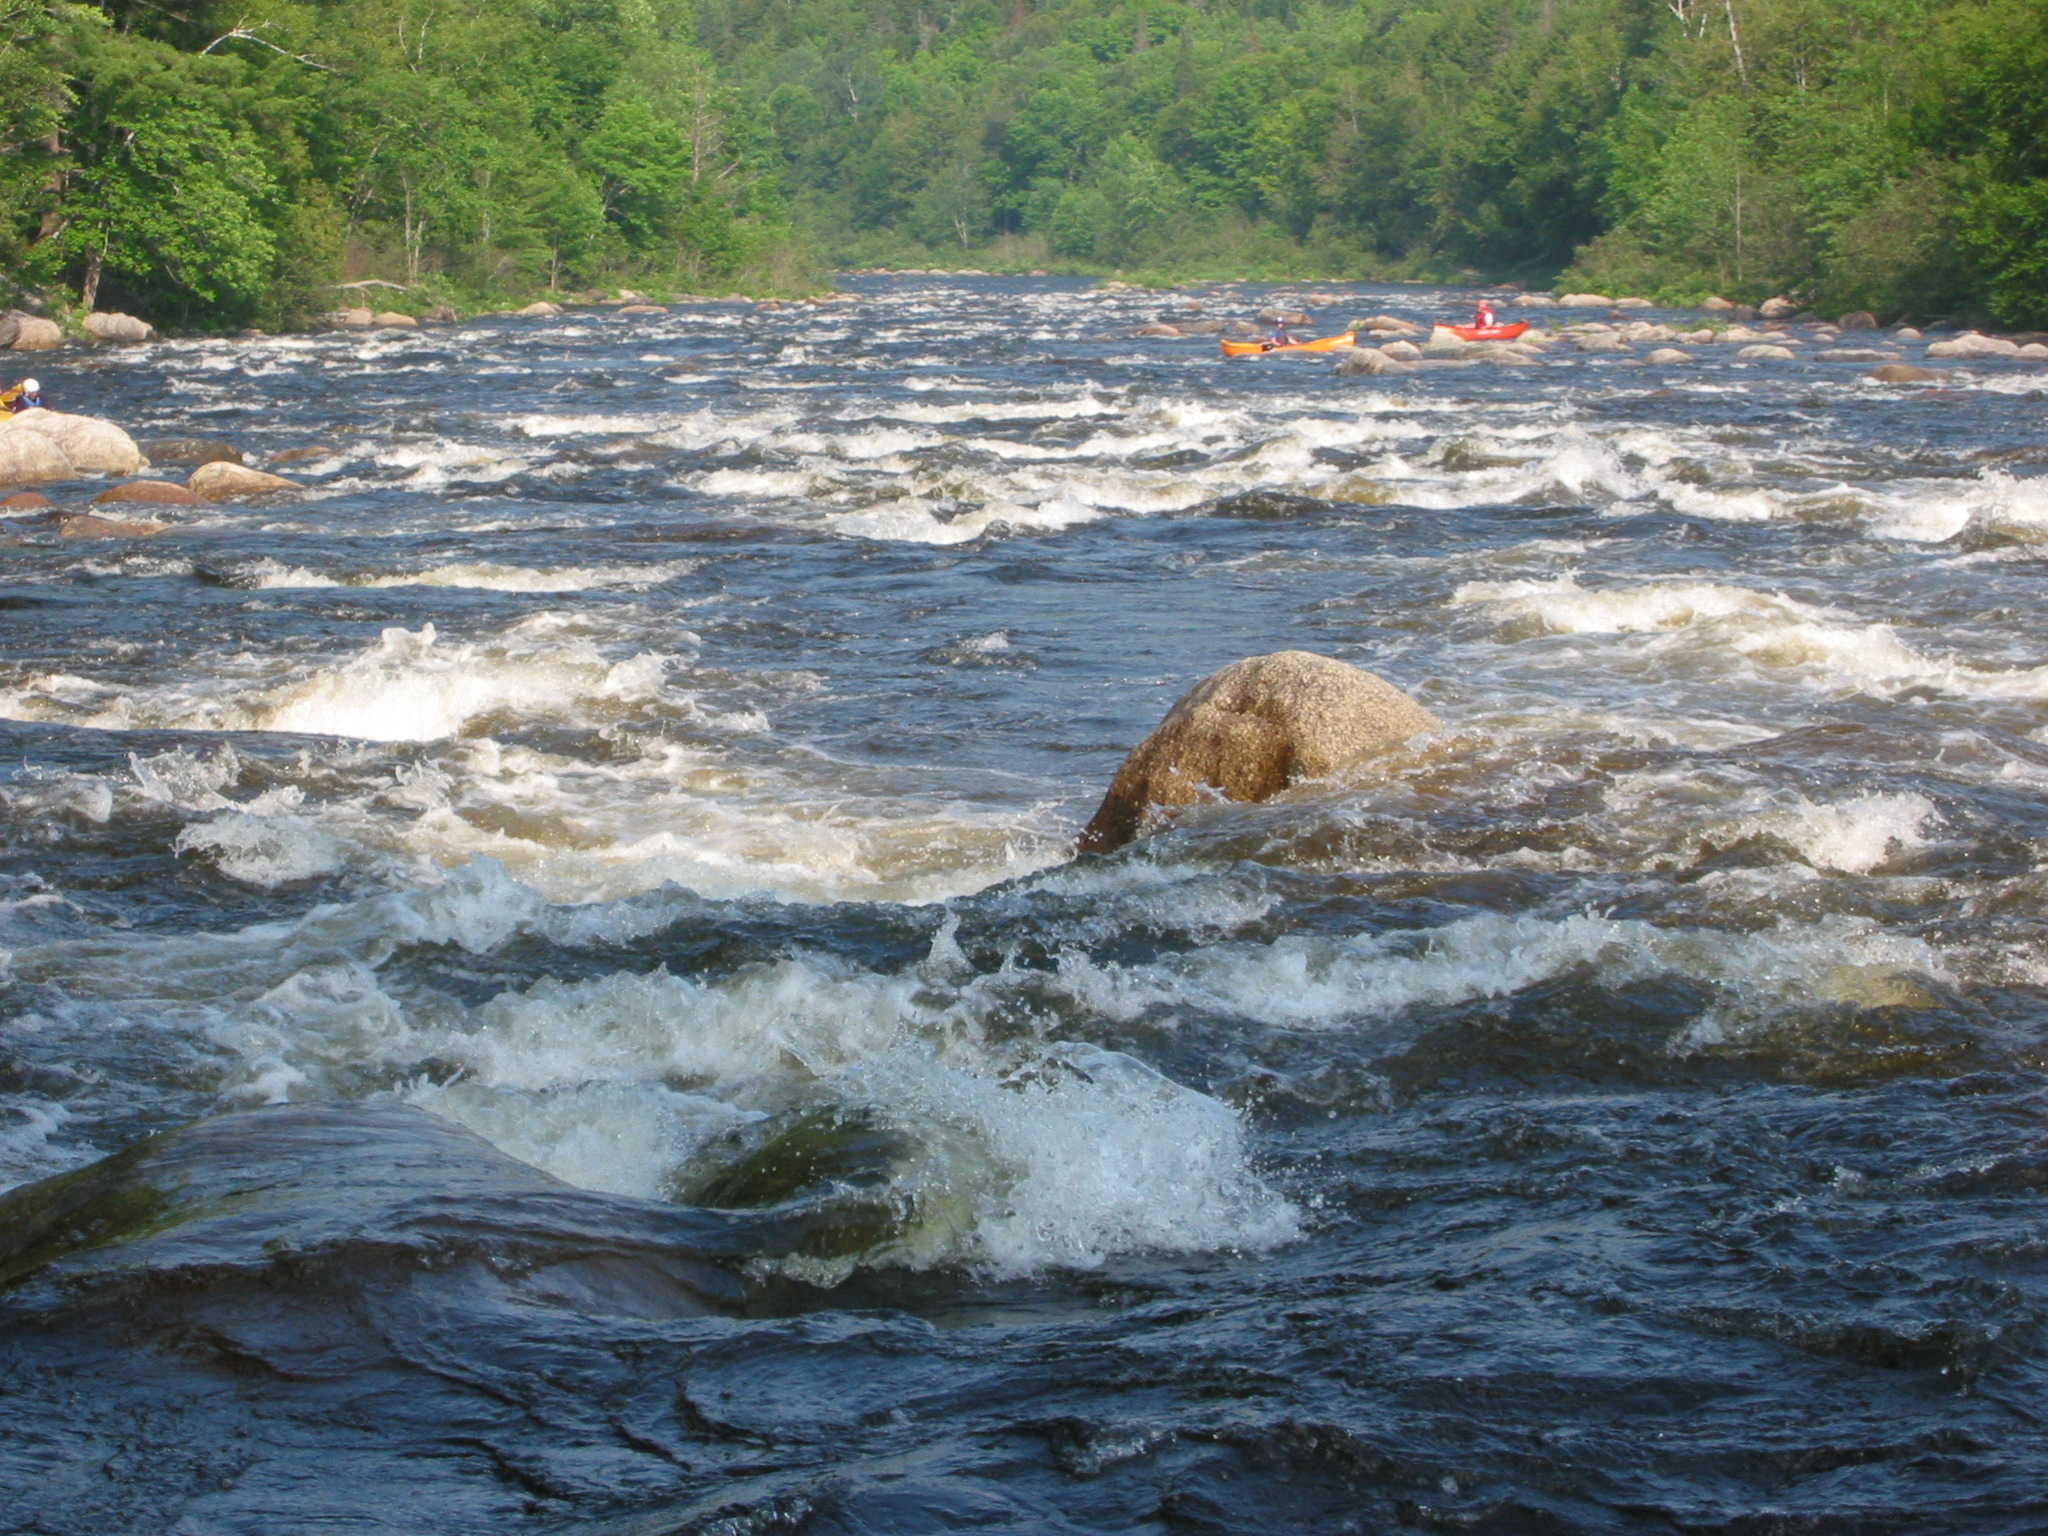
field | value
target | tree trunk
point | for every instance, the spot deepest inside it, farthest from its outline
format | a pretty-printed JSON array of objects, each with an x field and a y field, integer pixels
[{"x": 89, "y": 290}]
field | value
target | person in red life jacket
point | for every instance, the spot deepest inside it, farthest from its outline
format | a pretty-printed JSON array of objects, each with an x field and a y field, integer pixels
[
  {"x": 1482, "y": 315},
  {"x": 25, "y": 396}
]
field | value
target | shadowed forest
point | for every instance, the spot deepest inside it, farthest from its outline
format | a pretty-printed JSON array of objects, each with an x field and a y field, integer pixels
[{"x": 210, "y": 165}]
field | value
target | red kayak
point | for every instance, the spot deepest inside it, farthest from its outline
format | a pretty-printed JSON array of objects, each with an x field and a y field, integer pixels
[{"x": 1488, "y": 332}]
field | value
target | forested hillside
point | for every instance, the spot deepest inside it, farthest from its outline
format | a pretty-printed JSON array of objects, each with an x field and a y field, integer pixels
[{"x": 223, "y": 163}]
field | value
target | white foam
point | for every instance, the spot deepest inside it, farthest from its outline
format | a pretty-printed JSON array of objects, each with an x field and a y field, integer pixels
[
  {"x": 1561, "y": 606},
  {"x": 482, "y": 576},
  {"x": 265, "y": 850},
  {"x": 582, "y": 424},
  {"x": 1854, "y": 836},
  {"x": 410, "y": 687},
  {"x": 1715, "y": 625},
  {"x": 1064, "y": 1157},
  {"x": 1313, "y": 982},
  {"x": 443, "y": 463}
]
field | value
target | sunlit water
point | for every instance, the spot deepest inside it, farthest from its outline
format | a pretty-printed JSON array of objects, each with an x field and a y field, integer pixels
[{"x": 607, "y": 848}]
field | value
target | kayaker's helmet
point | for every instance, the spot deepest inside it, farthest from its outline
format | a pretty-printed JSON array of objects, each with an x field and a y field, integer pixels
[{"x": 31, "y": 387}]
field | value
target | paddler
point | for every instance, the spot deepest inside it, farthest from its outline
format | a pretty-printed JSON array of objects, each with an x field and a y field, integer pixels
[
  {"x": 25, "y": 396},
  {"x": 1279, "y": 338},
  {"x": 1482, "y": 314}
]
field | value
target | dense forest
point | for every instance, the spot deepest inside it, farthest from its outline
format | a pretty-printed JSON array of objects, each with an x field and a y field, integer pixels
[{"x": 227, "y": 162}]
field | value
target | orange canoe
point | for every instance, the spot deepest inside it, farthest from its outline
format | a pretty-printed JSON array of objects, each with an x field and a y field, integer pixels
[
  {"x": 1488, "y": 332},
  {"x": 1253, "y": 348}
]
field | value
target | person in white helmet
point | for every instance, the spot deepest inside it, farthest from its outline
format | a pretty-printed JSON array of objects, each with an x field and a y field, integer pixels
[{"x": 25, "y": 396}]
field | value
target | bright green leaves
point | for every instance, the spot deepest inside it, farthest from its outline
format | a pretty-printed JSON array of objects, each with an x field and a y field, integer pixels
[
  {"x": 179, "y": 195},
  {"x": 641, "y": 162}
]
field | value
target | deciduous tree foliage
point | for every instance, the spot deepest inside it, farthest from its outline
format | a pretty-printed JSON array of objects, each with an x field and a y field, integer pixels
[{"x": 228, "y": 163}]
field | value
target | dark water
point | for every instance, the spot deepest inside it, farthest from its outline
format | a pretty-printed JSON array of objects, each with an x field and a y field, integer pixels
[{"x": 543, "y": 985}]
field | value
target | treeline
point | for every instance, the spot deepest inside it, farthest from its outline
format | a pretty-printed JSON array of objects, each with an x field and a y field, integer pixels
[
  {"x": 226, "y": 163},
  {"x": 1881, "y": 154}
]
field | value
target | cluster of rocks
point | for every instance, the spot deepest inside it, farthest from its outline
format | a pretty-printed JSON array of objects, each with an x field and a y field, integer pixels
[
  {"x": 45, "y": 447},
  {"x": 22, "y": 332}
]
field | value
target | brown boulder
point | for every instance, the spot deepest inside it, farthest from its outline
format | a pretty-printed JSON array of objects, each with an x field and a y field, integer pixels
[
  {"x": 1248, "y": 731},
  {"x": 1905, "y": 373},
  {"x": 32, "y": 333},
  {"x": 86, "y": 526},
  {"x": 104, "y": 326},
  {"x": 162, "y": 493},
  {"x": 222, "y": 481},
  {"x": 25, "y": 501}
]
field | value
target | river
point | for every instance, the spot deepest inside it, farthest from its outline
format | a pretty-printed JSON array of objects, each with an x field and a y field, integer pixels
[{"x": 544, "y": 984}]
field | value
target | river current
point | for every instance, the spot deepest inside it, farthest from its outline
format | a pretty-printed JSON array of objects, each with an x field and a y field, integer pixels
[{"x": 544, "y": 983}]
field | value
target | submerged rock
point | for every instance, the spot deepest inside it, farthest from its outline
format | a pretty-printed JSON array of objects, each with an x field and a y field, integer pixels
[
  {"x": 191, "y": 450},
  {"x": 90, "y": 526},
  {"x": 1248, "y": 731},
  {"x": 301, "y": 1211}
]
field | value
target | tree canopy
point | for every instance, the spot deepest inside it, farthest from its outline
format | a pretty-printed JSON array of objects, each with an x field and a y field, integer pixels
[{"x": 227, "y": 164}]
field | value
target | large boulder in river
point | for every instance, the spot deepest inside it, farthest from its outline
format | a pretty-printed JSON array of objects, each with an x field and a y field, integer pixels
[
  {"x": 29, "y": 458},
  {"x": 32, "y": 333},
  {"x": 89, "y": 445},
  {"x": 222, "y": 481},
  {"x": 1250, "y": 730},
  {"x": 1906, "y": 373},
  {"x": 107, "y": 326},
  {"x": 1353, "y": 362},
  {"x": 1971, "y": 344}
]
